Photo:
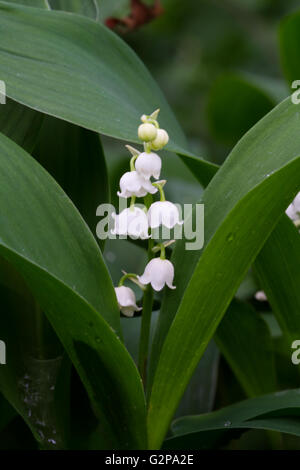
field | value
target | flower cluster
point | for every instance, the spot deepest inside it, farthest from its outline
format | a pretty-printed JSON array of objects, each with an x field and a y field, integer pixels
[{"x": 138, "y": 223}]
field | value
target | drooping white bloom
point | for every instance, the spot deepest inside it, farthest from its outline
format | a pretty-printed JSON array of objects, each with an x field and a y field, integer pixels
[
  {"x": 163, "y": 213},
  {"x": 148, "y": 164},
  {"x": 133, "y": 184},
  {"x": 158, "y": 272},
  {"x": 147, "y": 132},
  {"x": 161, "y": 139},
  {"x": 293, "y": 211},
  {"x": 132, "y": 221},
  {"x": 126, "y": 301}
]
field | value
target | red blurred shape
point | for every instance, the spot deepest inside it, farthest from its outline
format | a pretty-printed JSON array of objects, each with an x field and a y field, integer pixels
[{"x": 140, "y": 14}]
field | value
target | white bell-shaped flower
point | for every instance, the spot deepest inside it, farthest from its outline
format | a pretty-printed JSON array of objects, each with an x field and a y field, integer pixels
[
  {"x": 133, "y": 184},
  {"x": 132, "y": 221},
  {"x": 158, "y": 272},
  {"x": 163, "y": 213},
  {"x": 293, "y": 211},
  {"x": 126, "y": 301},
  {"x": 148, "y": 164}
]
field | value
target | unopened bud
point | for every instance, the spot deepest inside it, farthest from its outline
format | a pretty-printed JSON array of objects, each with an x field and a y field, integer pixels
[
  {"x": 161, "y": 139},
  {"x": 147, "y": 132}
]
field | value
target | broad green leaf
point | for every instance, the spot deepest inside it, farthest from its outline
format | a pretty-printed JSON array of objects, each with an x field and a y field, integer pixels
[
  {"x": 76, "y": 161},
  {"x": 115, "y": 8},
  {"x": 35, "y": 378},
  {"x": 244, "y": 339},
  {"x": 200, "y": 393},
  {"x": 27, "y": 381},
  {"x": 45, "y": 239},
  {"x": 43, "y": 52},
  {"x": 21, "y": 124},
  {"x": 72, "y": 255},
  {"x": 278, "y": 411},
  {"x": 34, "y": 358},
  {"x": 256, "y": 96},
  {"x": 87, "y": 8},
  {"x": 32, "y": 3},
  {"x": 234, "y": 106},
  {"x": 275, "y": 88},
  {"x": 289, "y": 40},
  {"x": 18, "y": 122},
  {"x": 53, "y": 221},
  {"x": 201, "y": 169},
  {"x": 277, "y": 267},
  {"x": 243, "y": 202}
]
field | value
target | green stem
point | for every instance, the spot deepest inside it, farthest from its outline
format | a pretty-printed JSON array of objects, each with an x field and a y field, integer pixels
[
  {"x": 145, "y": 333},
  {"x": 132, "y": 162},
  {"x": 132, "y": 202},
  {"x": 147, "y": 147},
  {"x": 162, "y": 251},
  {"x": 146, "y": 313},
  {"x": 152, "y": 121},
  {"x": 161, "y": 191},
  {"x": 126, "y": 276}
]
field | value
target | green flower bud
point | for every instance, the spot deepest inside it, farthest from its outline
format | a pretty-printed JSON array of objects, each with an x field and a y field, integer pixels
[
  {"x": 161, "y": 139},
  {"x": 147, "y": 132}
]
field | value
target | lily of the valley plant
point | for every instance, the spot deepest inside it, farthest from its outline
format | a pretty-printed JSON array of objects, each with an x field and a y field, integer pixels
[
  {"x": 132, "y": 344},
  {"x": 138, "y": 223}
]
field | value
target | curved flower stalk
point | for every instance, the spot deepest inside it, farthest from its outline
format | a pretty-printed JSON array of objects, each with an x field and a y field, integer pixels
[{"x": 138, "y": 223}]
